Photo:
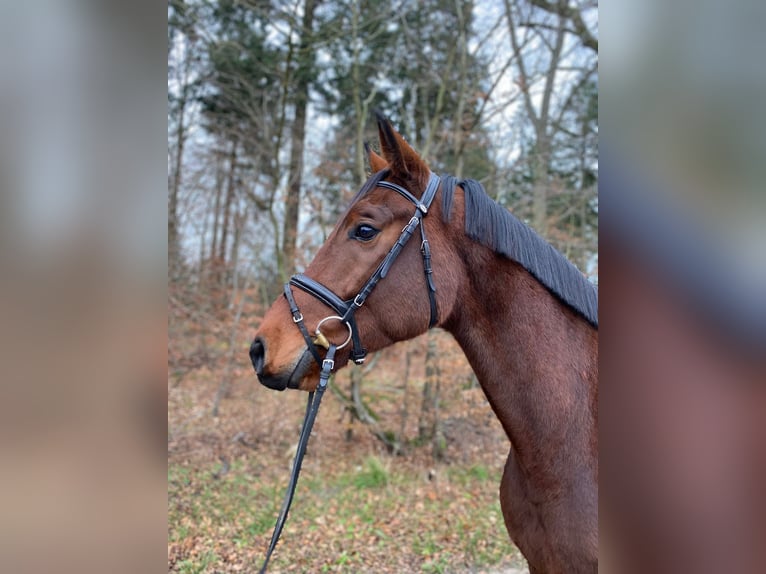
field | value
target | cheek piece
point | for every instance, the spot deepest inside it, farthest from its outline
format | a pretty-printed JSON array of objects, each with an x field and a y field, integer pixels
[{"x": 345, "y": 310}]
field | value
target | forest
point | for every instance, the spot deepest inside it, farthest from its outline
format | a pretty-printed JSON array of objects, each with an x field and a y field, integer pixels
[{"x": 270, "y": 105}]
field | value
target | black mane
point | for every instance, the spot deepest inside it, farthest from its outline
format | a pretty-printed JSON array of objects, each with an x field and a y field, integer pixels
[{"x": 494, "y": 226}]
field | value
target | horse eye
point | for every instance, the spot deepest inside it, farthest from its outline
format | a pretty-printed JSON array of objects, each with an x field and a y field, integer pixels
[{"x": 364, "y": 232}]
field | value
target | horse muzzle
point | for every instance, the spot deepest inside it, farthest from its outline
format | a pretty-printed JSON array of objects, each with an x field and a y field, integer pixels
[{"x": 287, "y": 379}]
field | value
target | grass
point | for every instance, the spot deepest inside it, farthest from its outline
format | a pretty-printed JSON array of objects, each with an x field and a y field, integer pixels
[
  {"x": 374, "y": 475},
  {"x": 198, "y": 566},
  {"x": 340, "y": 522},
  {"x": 465, "y": 476}
]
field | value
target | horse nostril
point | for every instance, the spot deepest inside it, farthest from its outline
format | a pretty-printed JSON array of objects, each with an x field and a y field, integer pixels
[{"x": 257, "y": 353}]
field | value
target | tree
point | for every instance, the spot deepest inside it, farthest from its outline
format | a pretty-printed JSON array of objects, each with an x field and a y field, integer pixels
[
  {"x": 183, "y": 87},
  {"x": 303, "y": 78},
  {"x": 555, "y": 66},
  {"x": 245, "y": 111}
]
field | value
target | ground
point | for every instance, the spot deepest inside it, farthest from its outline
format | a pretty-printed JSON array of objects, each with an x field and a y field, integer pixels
[{"x": 357, "y": 508}]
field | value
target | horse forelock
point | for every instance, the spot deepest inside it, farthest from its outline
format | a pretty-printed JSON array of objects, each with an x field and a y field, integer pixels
[
  {"x": 367, "y": 187},
  {"x": 414, "y": 187}
]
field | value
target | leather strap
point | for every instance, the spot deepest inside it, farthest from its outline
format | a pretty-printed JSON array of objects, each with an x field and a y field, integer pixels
[
  {"x": 298, "y": 320},
  {"x": 425, "y": 249},
  {"x": 343, "y": 308},
  {"x": 325, "y": 295},
  {"x": 312, "y": 408}
]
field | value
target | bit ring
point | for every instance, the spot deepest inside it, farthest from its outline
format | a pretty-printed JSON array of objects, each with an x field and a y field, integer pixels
[{"x": 318, "y": 332}]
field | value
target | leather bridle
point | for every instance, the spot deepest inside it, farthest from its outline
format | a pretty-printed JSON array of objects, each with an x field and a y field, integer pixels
[
  {"x": 345, "y": 309},
  {"x": 345, "y": 313}
]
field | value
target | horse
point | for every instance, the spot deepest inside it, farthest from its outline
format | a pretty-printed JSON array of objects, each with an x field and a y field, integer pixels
[{"x": 524, "y": 316}]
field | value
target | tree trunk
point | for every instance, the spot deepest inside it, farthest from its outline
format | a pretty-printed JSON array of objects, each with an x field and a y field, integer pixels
[
  {"x": 541, "y": 157},
  {"x": 538, "y": 167},
  {"x": 174, "y": 248},
  {"x": 424, "y": 421},
  {"x": 221, "y": 258},
  {"x": 433, "y": 376},
  {"x": 404, "y": 411},
  {"x": 459, "y": 121},
  {"x": 232, "y": 269},
  {"x": 428, "y": 424},
  {"x": 359, "y": 109},
  {"x": 216, "y": 211},
  {"x": 298, "y": 135}
]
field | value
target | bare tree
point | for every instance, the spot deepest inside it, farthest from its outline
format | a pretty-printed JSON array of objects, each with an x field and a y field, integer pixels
[
  {"x": 302, "y": 81},
  {"x": 183, "y": 86}
]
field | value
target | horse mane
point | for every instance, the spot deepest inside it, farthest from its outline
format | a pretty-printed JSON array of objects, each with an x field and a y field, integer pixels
[{"x": 492, "y": 225}]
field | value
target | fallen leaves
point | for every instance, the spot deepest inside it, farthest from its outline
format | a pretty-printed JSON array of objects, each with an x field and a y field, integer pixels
[{"x": 356, "y": 508}]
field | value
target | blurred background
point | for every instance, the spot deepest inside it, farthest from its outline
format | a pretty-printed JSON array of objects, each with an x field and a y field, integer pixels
[
  {"x": 269, "y": 107},
  {"x": 682, "y": 393},
  {"x": 149, "y": 160},
  {"x": 82, "y": 286}
]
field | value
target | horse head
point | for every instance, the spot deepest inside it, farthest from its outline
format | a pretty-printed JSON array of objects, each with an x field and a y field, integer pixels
[{"x": 331, "y": 299}]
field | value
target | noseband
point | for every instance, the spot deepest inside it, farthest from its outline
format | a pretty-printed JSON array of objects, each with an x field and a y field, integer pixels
[{"x": 345, "y": 314}]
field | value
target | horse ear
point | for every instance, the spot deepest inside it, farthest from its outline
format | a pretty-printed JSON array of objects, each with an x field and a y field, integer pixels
[
  {"x": 402, "y": 159},
  {"x": 377, "y": 163}
]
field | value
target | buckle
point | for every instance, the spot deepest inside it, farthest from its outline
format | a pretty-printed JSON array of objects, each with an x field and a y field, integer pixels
[
  {"x": 413, "y": 222},
  {"x": 357, "y": 303},
  {"x": 298, "y": 318},
  {"x": 329, "y": 364}
]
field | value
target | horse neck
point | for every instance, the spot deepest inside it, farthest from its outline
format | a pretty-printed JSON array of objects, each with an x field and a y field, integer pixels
[{"x": 536, "y": 359}]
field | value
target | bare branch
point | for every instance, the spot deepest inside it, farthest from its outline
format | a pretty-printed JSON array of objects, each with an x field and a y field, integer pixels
[{"x": 564, "y": 10}]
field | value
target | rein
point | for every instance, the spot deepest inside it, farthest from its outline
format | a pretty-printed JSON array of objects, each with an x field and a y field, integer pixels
[
  {"x": 345, "y": 310},
  {"x": 312, "y": 408}
]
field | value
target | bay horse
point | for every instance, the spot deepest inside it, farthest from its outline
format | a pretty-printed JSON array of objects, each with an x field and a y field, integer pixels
[{"x": 524, "y": 316}]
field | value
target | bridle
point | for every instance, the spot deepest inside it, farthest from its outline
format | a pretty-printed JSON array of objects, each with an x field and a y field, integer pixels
[
  {"x": 345, "y": 309},
  {"x": 345, "y": 313}
]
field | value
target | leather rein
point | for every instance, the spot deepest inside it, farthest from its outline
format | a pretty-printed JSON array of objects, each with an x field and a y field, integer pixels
[{"x": 345, "y": 310}]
